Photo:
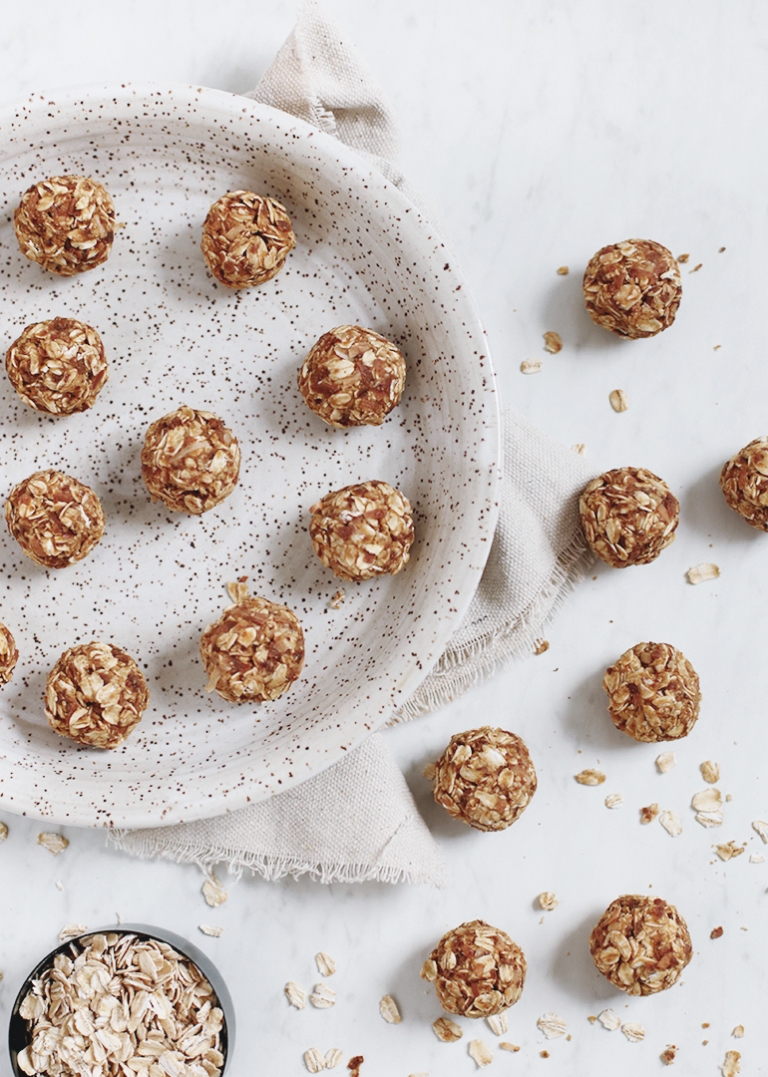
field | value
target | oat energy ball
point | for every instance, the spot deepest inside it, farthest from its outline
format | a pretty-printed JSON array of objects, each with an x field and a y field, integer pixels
[
  {"x": 363, "y": 530},
  {"x": 54, "y": 518},
  {"x": 254, "y": 652},
  {"x": 653, "y": 693},
  {"x": 744, "y": 481},
  {"x": 485, "y": 777},
  {"x": 633, "y": 288},
  {"x": 9, "y": 654},
  {"x": 96, "y": 695},
  {"x": 477, "y": 970},
  {"x": 246, "y": 239},
  {"x": 629, "y": 516},
  {"x": 352, "y": 377},
  {"x": 641, "y": 944},
  {"x": 66, "y": 224},
  {"x": 58, "y": 366},
  {"x": 190, "y": 460}
]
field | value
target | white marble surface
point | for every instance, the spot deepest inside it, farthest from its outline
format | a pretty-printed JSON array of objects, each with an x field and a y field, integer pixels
[{"x": 542, "y": 130}]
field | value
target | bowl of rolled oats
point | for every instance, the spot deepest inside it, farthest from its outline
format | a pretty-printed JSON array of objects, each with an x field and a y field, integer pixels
[{"x": 133, "y": 999}]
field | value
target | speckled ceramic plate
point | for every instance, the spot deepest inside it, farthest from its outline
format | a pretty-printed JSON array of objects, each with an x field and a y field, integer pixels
[{"x": 173, "y": 335}]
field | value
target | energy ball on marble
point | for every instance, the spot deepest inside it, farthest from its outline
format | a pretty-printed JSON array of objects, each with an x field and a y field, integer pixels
[
  {"x": 744, "y": 481},
  {"x": 190, "y": 460},
  {"x": 56, "y": 519},
  {"x": 254, "y": 652},
  {"x": 477, "y": 970},
  {"x": 633, "y": 288},
  {"x": 246, "y": 239},
  {"x": 485, "y": 777},
  {"x": 66, "y": 224},
  {"x": 363, "y": 530},
  {"x": 95, "y": 694},
  {"x": 641, "y": 944},
  {"x": 9, "y": 654},
  {"x": 653, "y": 693},
  {"x": 58, "y": 366},
  {"x": 352, "y": 377},
  {"x": 629, "y": 516}
]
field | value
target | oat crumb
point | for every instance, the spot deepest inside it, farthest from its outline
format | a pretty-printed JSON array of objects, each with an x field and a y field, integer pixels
[
  {"x": 548, "y": 901},
  {"x": 3, "y": 831},
  {"x": 562, "y": 271},
  {"x": 590, "y": 777},
  {"x": 552, "y": 342},
  {"x": 756, "y": 858},
  {"x": 683, "y": 258},
  {"x": 668, "y": 1056},
  {"x": 703, "y": 572},
  {"x": 716, "y": 933},
  {"x": 429, "y": 771},
  {"x": 530, "y": 366},
  {"x": 649, "y": 813},
  {"x": 579, "y": 448},
  {"x": 337, "y": 599},
  {"x": 505, "y": 1045},
  {"x": 542, "y": 645},
  {"x": 738, "y": 1032},
  {"x": 728, "y": 850},
  {"x": 696, "y": 268}
]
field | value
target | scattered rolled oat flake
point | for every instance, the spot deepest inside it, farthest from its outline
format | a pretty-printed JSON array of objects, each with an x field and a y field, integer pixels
[
  {"x": 480, "y": 1053},
  {"x": 717, "y": 347},
  {"x": 670, "y": 820},
  {"x": 649, "y": 813},
  {"x": 732, "y": 1064},
  {"x": 579, "y": 448},
  {"x": 332, "y": 1058},
  {"x": 326, "y": 965},
  {"x": 614, "y": 800},
  {"x": 209, "y": 929},
  {"x": 552, "y": 342},
  {"x": 710, "y": 771},
  {"x": 498, "y": 1023},
  {"x": 703, "y": 572},
  {"x": 551, "y": 1025},
  {"x": 562, "y": 271},
  {"x": 619, "y": 400},
  {"x": 728, "y": 850},
  {"x": 337, "y": 600},
  {"x": 757, "y": 858},
  {"x": 716, "y": 933},
  {"x": 313, "y": 1060},
  {"x": 530, "y": 366},
  {"x": 54, "y": 843},
  {"x": 447, "y": 1030},
  {"x": 72, "y": 931},
  {"x": 738, "y": 1032},
  {"x": 505, "y": 1045},
  {"x": 389, "y": 1011},
  {"x": 60, "y": 886},
  {"x": 665, "y": 762},
  {"x": 590, "y": 777},
  {"x": 323, "y": 997},
  {"x": 669, "y": 1056},
  {"x": 683, "y": 258},
  {"x": 609, "y": 1019},
  {"x": 429, "y": 771},
  {"x": 709, "y": 818},
  {"x": 548, "y": 901},
  {"x": 696, "y": 268},
  {"x": 542, "y": 645},
  {"x": 633, "y": 1031},
  {"x": 3, "y": 831},
  {"x": 238, "y": 591},
  {"x": 761, "y": 828},
  {"x": 296, "y": 995},
  {"x": 213, "y": 892},
  {"x": 710, "y": 799}
]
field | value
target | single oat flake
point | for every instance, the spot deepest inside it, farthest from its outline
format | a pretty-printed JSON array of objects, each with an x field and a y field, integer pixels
[
  {"x": 3, "y": 831},
  {"x": 213, "y": 892},
  {"x": 761, "y": 828},
  {"x": 590, "y": 777},
  {"x": 480, "y": 1053},
  {"x": 710, "y": 799},
  {"x": 669, "y": 1056},
  {"x": 326, "y": 965},
  {"x": 72, "y": 931},
  {"x": 551, "y": 1025},
  {"x": 710, "y": 771},
  {"x": 609, "y": 1019},
  {"x": 505, "y": 1045},
  {"x": 389, "y": 1011},
  {"x": 552, "y": 342},
  {"x": 530, "y": 366},
  {"x": 54, "y": 843},
  {"x": 633, "y": 1031},
  {"x": 562, "y": 271},
  {"x": 446, "y": 1030},
  {"x": 728, "y": 850},
  {"x": 313, "y": 1060},
  {"x": 709, "y": 818},
  {"x": 210, "y": 930},
  {"x": 731, "y": 1064},
  {"x": 665, "y": 762},
  {"x": 614, "y": 800},
  {"x": 323, "y": 997},
  {"x": 703, "y": 572},
  {"x": 429, "y": 771},
  {"x": 738, "y": 1032},
  {"x": 670, "y": 820},
  {"x": 296, "y": 995},
  {"x": 756, "y": 858},
  {"x": 498, "y": 1023},
  {"x": 548, "y": 901},
  {"x": 619, "y": 400},
  {"x": 332, "y": 1058}
]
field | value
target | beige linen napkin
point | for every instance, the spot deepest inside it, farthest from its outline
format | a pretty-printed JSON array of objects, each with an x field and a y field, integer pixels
[{"x": 357, "y": 821}]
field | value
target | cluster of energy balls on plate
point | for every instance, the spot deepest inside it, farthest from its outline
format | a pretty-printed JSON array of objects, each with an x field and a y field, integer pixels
[{"x": 190, "y": 460}]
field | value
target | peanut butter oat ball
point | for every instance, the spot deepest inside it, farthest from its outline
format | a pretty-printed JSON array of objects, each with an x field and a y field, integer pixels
[
  {"x": 653, "y": 693},
  {"x": 254, "y": 652},
  {"x": 744, "y": 481},
  {"x": 352, "y": 377},
  {"x": 629, "y": 516},
  {"x": 641, "y": 944},
  {"x": 633, "y": 288},
  {"x": 190, "y": 460},
  {"x": 9, "y": 654},
  {"x": 66, "y": 224},
  {"x": 485, "y": 777},
  {"x": 56, "y": 519},
  {"x": 477, "y": 970},
  {"x": 95, "y": 694},
  {"x": 246, "y": 239},
  {"x": 58, "y": 366},
  {"x": 363, "y": 530}
]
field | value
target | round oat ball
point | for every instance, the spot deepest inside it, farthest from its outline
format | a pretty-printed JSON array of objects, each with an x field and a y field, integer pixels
[
  {"x": 629, "y": 516},
  {"x": 352, "y": 377},
  {"x": 246, "y": 239},
  {"x": 633, "y": 288},
  {"x": 254, "y": 652},
  {"x": 363, "y": 530},
  {"x": 190, "y": 460},
  {"x": 58, "y": 366},
  {"x": 56, "y": 519},
  {"x": 485, "y": 777},
  {"x": 641, "y": 944},
  {"x": 66, "y": 224},
  {"x": 95, "y": 694},
  {"x": 9, "y": 654},
  {"x": 477, "y": 970},
  {"x": 744, "y": 481},
  {"x": 653, "y": 693}
]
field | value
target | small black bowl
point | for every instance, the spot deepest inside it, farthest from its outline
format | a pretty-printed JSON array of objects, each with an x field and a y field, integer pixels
[{"x": 18, "y": 1036}]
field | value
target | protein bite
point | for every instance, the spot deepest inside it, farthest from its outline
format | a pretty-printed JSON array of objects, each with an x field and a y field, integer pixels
[
  {"x": 56, "y": 519},
  {"x": 96, "y": 695},
  {"x": 633, "y": 288},
  {"x": 66, "y": 224},
  {"x": 744, "y": 481},
  {"x": 653, "y": 693},
  {"x": 362, "y": 531},
  {"x": 246, "y": 239},
  {"x": 254, "y": 652},
  {"x": 58, "y": 366},
  {"x": 641, "y": 944},
  {"x": 485, "y": 777},
  {"x": 190, "y": 460},
  {"x": 9, "y": 654},
  {"x": 629, "y": 516},
  {"x": 352, "y": 377},
  {"x": 477, "y": 970}
]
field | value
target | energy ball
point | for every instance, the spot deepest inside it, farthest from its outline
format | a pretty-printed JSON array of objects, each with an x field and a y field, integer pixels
[
  {"x": 254, "y": 652},
  {"x": 66, "y": 224},
  {"x": 641, "y": 944},
  {"x": 629, "y": 516},
  {"x": 56, "y": 519},
  {"x": 190, "y": 460},
  {"x": 633, "y": 288},
  {"x": 95, "y": 694},
  {"x": 744, "y": 481},
  {"x": 477, "y": 970},
  {"x": 58, "y": 366},
  {"x": 653, "y": 693},
  {"x": 246, "y": 239},
  {"x": 363, "y": 530},
  {"x": 352, "y": 377},
  {"x": 485, "y": 777},
  {"x": 9, "y": 654}
]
